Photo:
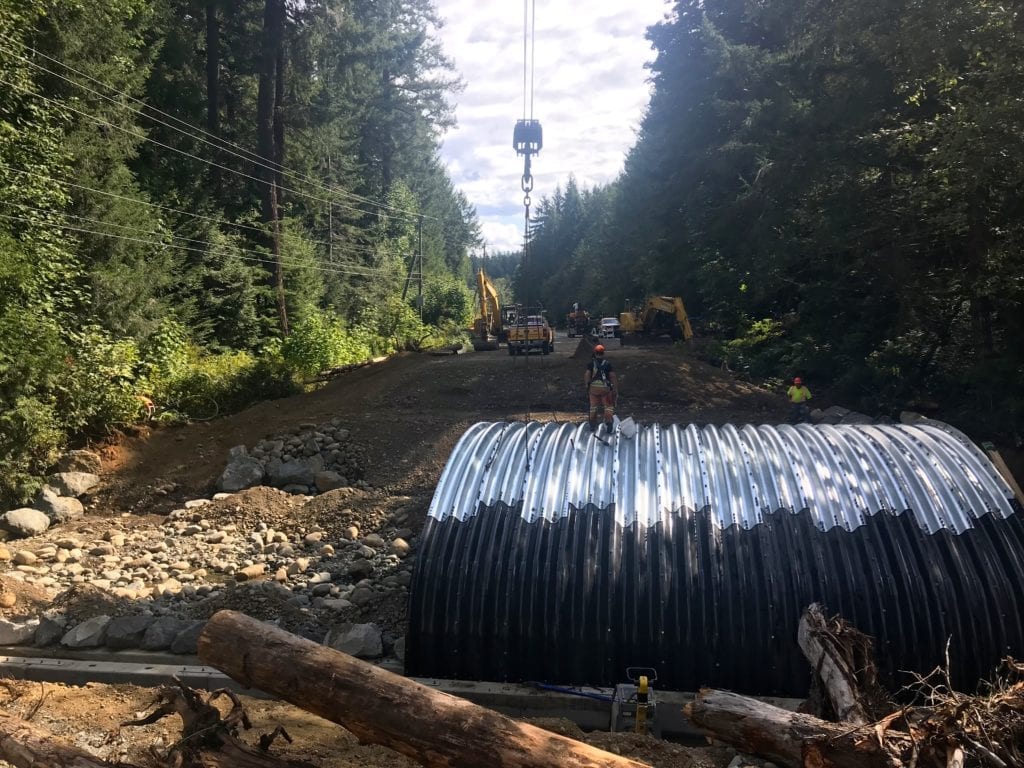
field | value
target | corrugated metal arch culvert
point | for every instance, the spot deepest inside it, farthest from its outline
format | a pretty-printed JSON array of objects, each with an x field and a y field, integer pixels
[{"x": 550, "y": 555}]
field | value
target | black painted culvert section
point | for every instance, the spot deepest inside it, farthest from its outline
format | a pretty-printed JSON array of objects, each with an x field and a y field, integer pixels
[{"x": 549, "y": 557}]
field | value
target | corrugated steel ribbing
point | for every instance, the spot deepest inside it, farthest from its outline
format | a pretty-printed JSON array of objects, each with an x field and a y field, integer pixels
[{"x": 550, "y": 555}]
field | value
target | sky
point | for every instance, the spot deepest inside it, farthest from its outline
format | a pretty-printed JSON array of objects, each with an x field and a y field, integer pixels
[{"x": 590, "y": 91}]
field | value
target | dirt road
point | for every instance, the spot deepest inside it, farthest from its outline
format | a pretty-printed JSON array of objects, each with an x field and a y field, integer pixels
[{"x": 408, "y": 412}]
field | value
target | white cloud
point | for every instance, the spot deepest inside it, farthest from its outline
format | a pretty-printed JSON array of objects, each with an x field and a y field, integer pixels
[
  {"x": 501, "y": 235},
  {"x": 590, "y": 91}
]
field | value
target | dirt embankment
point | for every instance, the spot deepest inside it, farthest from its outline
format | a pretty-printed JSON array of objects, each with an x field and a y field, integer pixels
[{"x": 409, "y": 411}]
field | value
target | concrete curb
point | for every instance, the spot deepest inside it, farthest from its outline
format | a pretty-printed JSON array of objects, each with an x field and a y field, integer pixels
[
  {"x": 80, "y": 672},
  {"x": 519, "y": 701}
]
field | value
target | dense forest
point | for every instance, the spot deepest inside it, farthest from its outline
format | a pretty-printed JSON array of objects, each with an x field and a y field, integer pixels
[
  {"x": 205, "y": 201},
  {"x": 834, "y": 188}
]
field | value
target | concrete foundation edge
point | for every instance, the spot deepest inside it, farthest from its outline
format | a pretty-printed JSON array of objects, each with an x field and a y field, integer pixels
[{"x": 518, "y": 701}]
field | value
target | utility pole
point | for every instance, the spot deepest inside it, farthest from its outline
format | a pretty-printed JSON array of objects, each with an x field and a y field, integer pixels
[
  {"x": 420, "y": 249},
  {"x": 330, "y": 214}
]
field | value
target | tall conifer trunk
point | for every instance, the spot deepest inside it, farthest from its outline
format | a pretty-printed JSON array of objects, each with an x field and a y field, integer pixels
[
  {"x": 213, "y": 85},
  {"x": 266, "y": 107}
]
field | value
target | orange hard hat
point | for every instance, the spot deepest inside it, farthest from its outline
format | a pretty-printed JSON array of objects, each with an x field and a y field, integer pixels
[
  {"x": 798, "y": 381},
  {"x": 599, "y": 349}
]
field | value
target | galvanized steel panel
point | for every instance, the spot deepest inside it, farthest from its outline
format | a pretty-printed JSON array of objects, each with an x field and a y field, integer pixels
[
  {"x": 840, "y": 474},
  {"x": 550, "y": 555}
]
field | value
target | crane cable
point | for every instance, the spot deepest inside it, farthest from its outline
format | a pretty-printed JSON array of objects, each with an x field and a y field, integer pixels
[
  {"x": 526, "y": 183},
  {"x": 529, "y": 56}
]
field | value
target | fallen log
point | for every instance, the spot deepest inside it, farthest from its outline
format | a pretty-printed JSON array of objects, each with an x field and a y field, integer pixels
[
  {"x": 25, "y": 745},
  {"x": 792, "y": 738},
  {"x": 433, "y": 728}
]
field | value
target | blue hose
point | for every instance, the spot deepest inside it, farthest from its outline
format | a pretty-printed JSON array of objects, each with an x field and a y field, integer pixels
[{"x": 570, "y": 691}]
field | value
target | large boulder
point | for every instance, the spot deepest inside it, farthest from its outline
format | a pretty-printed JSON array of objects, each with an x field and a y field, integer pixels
[
  {"x": 243, "y": 472},
  {"x": 329, "y": 481},
  {"x": 187, "y": 641},
  {"x": 89, "y": 634},
  {"x": 17, "y": 632},
  {"x": 163, "y": 632},
  {"x": 294, "y": 472},
  {"x": 60, "y": 509},
  {"x": 24, "y": 522},
  {"x": 128, "y": 631},
  {"x": 80, "y": 461},
  {"x": 364, "y": 641},
  {"x": 52, "y": 627},
  {"x": 74, "y": 483}
]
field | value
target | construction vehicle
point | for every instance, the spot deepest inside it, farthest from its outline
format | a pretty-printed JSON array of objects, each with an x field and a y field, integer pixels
[
  {"x": 657, "y": 316},
  {"x": 578, "y": 321},
  {"x": 488, "y": 327},
  {"x": 609, "y": 328},
  {"x": 529, "y": 333}
]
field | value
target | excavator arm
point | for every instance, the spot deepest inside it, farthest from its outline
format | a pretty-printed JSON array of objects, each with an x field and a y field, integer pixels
[
  {"x": 660, "y": 315},
  {"x": 491, "y": 305},
  {"x": 487, "y": 327}
]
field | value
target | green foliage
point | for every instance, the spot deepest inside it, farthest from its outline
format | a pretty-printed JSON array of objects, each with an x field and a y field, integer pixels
[
  {"x": 54, "y": 385},
  {"x": 756, "y": 350},
  {"x": 134, "y": 250},
  {"x": 32, "y": 367},
  {"x": 393, "y": 326},
  {"x": 166, "y": 351},
  {"x": 216, "y": 385},
  {"x": 851, "y": 172},
  {"x": 447, "y": 299},
  {"x": 30, "y": 441},
  {"x": 320, "y": 342},
  {"x": 99, "y": 383}
]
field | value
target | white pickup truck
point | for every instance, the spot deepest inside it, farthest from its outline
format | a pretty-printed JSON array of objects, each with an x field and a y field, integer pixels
[{"x": 609, "y": 328}]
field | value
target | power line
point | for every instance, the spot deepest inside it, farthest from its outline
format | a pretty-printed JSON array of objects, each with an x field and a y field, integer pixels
[
  {"x": 219, "y": 143},
  {"x": 211, "y": 219},
  {"x": 235, "y": 252},
  {"x": 211, "y": 245},
  {"x": 143, "y": 137}
]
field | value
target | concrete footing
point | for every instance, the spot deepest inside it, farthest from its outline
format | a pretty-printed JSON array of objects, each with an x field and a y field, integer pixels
[{"x": 519, "y": 701}]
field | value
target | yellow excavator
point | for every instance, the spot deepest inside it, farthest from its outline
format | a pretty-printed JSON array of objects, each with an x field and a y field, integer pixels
[
  {"x": 488, "y": 330},
  {"x": 657, "y": 316}
]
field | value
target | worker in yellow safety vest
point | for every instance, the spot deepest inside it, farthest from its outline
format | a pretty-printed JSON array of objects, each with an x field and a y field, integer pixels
[{"x": 798, "y": 396}]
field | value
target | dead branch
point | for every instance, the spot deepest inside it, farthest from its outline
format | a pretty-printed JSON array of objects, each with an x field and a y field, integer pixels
[
  {"x": 209, "y": 740},
  {"x": 944, "y": 728}
]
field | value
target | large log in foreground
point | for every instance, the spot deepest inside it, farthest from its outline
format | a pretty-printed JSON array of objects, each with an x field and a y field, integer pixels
[
  {"x": 379, "y": 707},
  {"x": 25, "y": 745},
  {"x": 789, "y": 738}
]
